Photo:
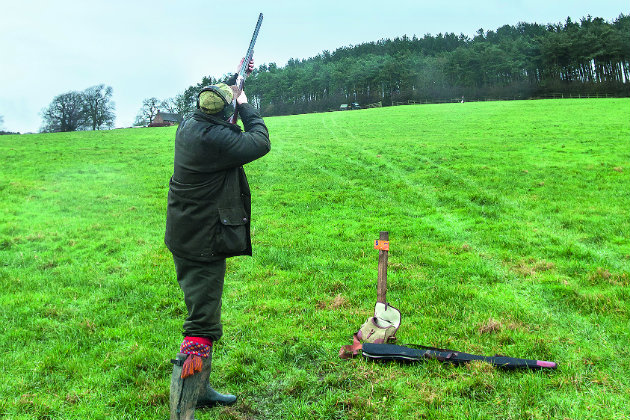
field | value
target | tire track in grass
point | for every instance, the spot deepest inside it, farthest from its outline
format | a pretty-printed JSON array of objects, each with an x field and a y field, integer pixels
[
  {"x": 599, "y": 255},
  {"x": 444, "y": 218},
  {"x": 449, "y": 228},
  {"x": 435, "y": 219},
  {"x": 529, "y": 298}
]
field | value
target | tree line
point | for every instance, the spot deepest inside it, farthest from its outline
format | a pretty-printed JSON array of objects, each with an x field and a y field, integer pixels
[
  {"x": 521, "y": 61},
  {"x": 526, "y": 60},
  {"x": 91, "y": 109}
]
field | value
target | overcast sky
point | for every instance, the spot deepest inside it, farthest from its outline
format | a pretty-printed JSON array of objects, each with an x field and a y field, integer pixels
[{"x": 158, "y": 48}]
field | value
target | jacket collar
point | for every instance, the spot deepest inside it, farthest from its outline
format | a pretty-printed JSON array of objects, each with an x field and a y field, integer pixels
[{"x": 202, "y": 116}]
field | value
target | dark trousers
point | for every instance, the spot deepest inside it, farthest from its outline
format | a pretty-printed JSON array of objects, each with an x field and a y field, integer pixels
[{"x": 202, "y": 284}]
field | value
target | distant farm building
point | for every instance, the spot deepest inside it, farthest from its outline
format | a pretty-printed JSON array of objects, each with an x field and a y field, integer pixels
[{"x": 164, "y": 119}]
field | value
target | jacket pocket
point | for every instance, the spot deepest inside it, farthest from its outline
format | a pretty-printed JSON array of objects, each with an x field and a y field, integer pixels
[
  {"x": 232, "y": 231},
  {"x": 188, "y": 232}
]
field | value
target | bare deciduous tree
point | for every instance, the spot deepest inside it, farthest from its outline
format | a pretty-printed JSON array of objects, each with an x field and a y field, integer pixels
[
  {"x": 72, "y": 111},
  {"x": 64, "y": 113},
  {"x": 149, "y": 110},
  {"x": 98, "y": 109}
]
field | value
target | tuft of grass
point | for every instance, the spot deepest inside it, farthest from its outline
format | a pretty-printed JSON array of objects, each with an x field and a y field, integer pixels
[{"x": 509, "y": 234}]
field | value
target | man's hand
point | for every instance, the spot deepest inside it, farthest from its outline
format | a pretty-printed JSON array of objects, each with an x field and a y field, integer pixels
[
  {"x": 250, "y": 67},
  {"x": 242, "y": 98}
]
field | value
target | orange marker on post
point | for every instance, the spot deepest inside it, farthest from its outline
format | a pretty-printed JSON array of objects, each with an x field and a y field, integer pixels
[{"x": 382, "y": 245}]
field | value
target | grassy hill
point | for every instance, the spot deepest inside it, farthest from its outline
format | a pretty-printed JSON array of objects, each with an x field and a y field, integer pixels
[{"x": 509, "y": 230}]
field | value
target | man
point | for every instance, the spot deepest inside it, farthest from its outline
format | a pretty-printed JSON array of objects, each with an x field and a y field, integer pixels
[{"x": 208, "y": 220}]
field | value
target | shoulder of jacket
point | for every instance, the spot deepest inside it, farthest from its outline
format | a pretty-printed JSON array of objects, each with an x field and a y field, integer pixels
[
  {"x": 211, "y": 120},
  {"x": 248, "y": 108}
]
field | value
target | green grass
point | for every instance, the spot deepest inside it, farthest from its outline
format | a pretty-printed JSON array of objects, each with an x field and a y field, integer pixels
[{"x": 509, "y": 225}]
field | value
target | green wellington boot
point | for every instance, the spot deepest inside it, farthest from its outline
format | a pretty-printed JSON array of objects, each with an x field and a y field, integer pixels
[
  {"x": 185, "y": 391},
  {"x": 208, "y": 397},
  {"x": 212, "y": 398}
]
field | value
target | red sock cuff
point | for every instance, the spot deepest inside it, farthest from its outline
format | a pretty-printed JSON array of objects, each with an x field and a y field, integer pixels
[{"x": 200, "y": 340}]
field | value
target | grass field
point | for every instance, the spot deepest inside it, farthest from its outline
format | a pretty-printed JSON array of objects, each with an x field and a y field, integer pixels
[{"x": 509, "y": 225}]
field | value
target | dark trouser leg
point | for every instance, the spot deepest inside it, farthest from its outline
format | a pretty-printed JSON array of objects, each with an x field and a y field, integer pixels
[{"x": 202, "y": 284}]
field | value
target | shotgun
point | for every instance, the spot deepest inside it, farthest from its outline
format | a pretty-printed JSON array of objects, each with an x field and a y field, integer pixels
[{"x": 242, "y": 71}]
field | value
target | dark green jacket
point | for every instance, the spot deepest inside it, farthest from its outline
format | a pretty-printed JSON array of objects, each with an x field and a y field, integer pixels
[{"x": 209, "y": 202}]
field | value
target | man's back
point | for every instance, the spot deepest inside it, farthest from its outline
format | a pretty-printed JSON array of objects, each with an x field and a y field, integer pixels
[{"x": 205, "y": 145}]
